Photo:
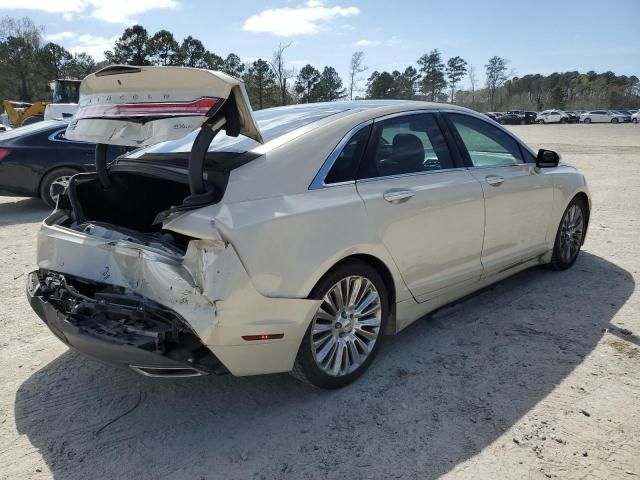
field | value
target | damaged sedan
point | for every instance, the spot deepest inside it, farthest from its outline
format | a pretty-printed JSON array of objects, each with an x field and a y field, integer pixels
[{"x": 290, "y": 239}]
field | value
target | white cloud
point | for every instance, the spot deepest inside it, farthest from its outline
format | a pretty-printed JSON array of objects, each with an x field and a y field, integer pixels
[
  {"x": 112, "y": 11},
  {"x": 367, "y": 43},
  {"x": 56, "y": 37},
  {"x": 302, "y": 20},
  {"x": 93, "y": 45},
  {"x": 371, "y": 43}
]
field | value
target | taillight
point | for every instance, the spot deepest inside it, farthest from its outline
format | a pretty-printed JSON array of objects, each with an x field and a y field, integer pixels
[
  {"x": 174, "y": 109},
  {"x": 4, "y": 152}
]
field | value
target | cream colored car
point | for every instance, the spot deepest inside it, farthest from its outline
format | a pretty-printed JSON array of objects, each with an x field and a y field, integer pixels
[{"x": 291, "y": 239}]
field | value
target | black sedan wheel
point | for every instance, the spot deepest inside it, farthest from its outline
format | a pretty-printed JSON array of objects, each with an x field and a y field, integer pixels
[
  {"x": 570, "y": 235},
  {"x": 53, "y": 184}
]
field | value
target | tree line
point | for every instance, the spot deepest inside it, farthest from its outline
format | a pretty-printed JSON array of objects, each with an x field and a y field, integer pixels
[{"x": 28, "y": 64}]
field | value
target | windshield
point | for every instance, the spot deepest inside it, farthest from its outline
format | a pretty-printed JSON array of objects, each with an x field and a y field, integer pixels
[
  {"x": 29, "y": 129},
  {"x": 273, "y": 123}
]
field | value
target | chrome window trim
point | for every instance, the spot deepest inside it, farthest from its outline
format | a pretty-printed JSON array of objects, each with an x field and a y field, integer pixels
[
  {"x": 412, "y": 174},
  {"x": 318, "y": 180}
]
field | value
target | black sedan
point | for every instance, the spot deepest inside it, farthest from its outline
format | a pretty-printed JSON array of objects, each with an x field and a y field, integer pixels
[
  {"x": 37, "y": 160},
  {"x": 512, "y": 119}
]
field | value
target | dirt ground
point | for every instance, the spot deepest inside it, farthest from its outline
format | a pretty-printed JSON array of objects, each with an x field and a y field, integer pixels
[{"x": 537, "y": 377}]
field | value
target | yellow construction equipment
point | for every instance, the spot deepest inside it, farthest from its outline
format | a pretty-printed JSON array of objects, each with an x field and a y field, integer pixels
[{"x": 63, "y": 91}]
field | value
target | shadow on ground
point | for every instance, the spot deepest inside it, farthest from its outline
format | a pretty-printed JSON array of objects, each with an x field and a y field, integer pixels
[
  {"x": 438, "y": 393},
  {"x": 22, "y": 210}
]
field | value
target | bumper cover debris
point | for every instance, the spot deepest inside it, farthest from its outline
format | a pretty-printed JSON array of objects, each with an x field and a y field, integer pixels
[{"x": 118, "y": 327}]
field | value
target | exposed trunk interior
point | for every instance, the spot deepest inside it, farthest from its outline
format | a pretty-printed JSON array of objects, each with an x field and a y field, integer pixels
[
  {"x": 127, "y": 210},
  {"x": 132, "y": 201}
]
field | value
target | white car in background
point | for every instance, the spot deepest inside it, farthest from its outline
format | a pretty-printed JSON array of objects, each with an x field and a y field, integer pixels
[
  {"x": 602, "y": 116},
  {"x": 552, "y": 116},
  {"x": 292, "y": 239}
]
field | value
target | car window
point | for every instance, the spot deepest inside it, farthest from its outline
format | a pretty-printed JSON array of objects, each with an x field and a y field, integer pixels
[
  {"x": 406, "y": 144},
  {"x": 345, "y": 166},
  {"x": 486, "y": 144}
]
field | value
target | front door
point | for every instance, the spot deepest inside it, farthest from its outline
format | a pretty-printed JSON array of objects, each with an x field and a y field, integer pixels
[
  {"x": 428, "y": 213},
  {"x": 518, "y": 198}
]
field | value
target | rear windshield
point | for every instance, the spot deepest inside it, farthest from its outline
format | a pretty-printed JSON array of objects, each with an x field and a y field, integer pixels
[{"x": 273, "y": 123}]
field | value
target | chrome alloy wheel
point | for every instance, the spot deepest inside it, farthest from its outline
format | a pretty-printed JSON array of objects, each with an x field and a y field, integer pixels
[
  {"x": 346, "y": 326},
  {"x": 58, "y": 186},
  {"x": 571, "y": 233}
]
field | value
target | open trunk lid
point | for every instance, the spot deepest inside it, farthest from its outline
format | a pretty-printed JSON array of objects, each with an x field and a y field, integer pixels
[{"x": 140, "y": 106}]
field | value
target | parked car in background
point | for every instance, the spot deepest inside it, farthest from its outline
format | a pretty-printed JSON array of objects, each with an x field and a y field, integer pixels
[
  {"x": 37, "y": 160},
  {"x": 526, "y": 117},
  {"x": 634, "y": 117},
  {"x": 493, "y": 115},
  {"x": 574, "y": 117},
  {"x": 552, "y": 116},
  {"x": 625, "y": 115},
  {"x": 510, "y": 118},
  {"x": 602, "y": 116},
  {"x": 227, "y": 264}
]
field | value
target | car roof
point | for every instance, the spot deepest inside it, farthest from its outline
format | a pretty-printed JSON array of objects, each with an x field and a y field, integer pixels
[
  {"x": 32, "y": 128},
  {"x": 278, "y": 121}
]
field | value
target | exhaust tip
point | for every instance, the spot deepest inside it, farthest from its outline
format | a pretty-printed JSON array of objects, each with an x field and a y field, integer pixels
[{"x": 167, "y": 372}]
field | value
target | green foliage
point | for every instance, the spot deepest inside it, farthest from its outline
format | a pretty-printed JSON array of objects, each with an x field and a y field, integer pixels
[
  {"x": 456, "y": 70},
  {"x": 432, "y": 69},
  {"x": 307, "y": 83},
  {"x": 132, "y": 48},
  {"x": 163, "y": 48},
  {"x": 261, "y": 84},
  {"x": 330, "y": 86}
]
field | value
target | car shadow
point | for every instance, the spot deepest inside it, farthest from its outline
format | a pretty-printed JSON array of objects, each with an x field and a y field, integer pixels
[
  {"x": 438, "y": 393},
  {"x": 22, "y": 210}
]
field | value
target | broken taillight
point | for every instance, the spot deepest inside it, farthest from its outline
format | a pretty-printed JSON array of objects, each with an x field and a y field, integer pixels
[{"x": 159, "y": 109}]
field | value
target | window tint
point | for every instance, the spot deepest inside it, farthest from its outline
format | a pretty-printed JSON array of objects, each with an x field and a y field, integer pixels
[
  {"x": 487, "y": 145},
  {"x": 407, "y": 144},
  {"x": 345, "y": 166}
]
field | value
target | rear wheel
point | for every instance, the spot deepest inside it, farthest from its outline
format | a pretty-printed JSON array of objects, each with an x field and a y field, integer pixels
[
  {"x": 347, "y": 330},
  {"x": 635, "y": 120},
  {"x": 614, "y": 120},
  {"x": 570, "y": 235},
  {"x": 53, "y": 184},
  {"x": 563, "y": 120},
  {"x": 539, "y": 122}
]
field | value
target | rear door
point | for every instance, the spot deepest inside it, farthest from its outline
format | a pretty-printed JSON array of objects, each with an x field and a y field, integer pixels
[
  {"x": 428, "y": 210},
  {"x": 518, "y": 198}
]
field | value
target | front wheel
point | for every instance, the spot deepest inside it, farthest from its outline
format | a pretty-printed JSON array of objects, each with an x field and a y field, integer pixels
[
  {"x": 635, "y": 120},
  {"x": 539, "y": 122},
  {"x": 614, "y": 120},
  {"x": 587, "y": 120},
  {"x": 570, "y": 235},
  {"x": 347, "y": 329}
]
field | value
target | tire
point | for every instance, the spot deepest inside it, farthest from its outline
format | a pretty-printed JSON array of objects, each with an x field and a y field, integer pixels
[
  {"x": 587, "y": 120},
  {"x": 53, "y": 177},
  {"x": 333, "y": 332},
  {"x": 570, "y": 235},
  {"x": 614, "y": 120},
  {"x": 540, "y": 122},
  {"x": 635, "y": 120},
  {"x": 563, "y": 120}
]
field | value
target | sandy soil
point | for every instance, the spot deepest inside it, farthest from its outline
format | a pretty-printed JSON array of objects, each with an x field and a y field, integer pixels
[{"x": 537, "y": 377}]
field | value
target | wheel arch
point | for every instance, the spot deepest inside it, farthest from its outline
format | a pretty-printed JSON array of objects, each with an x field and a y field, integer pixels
[
  {"x": 587, "y": 202},
  {"x": 387, "y": 277}
]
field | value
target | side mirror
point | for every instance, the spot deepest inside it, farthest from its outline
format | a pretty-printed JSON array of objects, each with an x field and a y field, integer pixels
[{"x": 547, "y": 159}]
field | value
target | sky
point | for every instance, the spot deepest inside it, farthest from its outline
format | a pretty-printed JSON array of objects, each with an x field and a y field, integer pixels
[{"x": 540, "y": 36}]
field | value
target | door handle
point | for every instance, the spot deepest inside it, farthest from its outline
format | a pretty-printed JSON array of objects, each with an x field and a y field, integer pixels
[
  {"x": 397, "y": 196},
  {"x": 494, "y": 180}
]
